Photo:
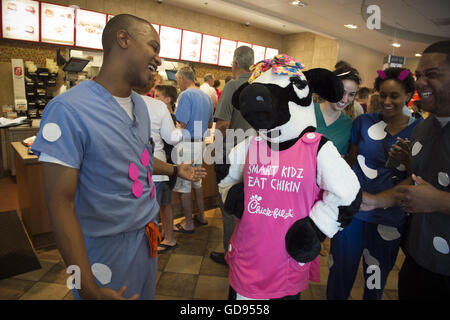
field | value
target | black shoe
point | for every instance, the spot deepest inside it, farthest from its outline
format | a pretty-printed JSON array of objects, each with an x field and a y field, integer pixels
[{"x": 218, "y": 257}]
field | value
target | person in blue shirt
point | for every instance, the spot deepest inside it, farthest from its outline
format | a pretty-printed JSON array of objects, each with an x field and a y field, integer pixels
[
  {"x": 97, "y": 155},
  {"x": 195, "y": 115},
  {"x": 374, "y": 234}
]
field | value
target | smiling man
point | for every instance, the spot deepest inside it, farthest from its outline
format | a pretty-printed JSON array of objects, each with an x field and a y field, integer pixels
[
  {"x": 97, "y": 156},
  {"x": 425, "y": 273}
]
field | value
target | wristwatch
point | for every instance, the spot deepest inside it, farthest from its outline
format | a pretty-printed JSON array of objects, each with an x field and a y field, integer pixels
[{"x": 175, "y": 172}]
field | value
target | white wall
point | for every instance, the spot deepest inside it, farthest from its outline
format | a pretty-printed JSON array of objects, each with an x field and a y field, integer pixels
[{"x": 366, "y": 61}]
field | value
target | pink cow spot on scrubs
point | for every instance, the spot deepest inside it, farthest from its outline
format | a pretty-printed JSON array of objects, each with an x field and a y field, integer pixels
[
  {"x": 145, "y": 158},
  {"x": 133, "y": 172},
  {"x": 137, "y": 189},
  {"x": 152, "y": 196}
]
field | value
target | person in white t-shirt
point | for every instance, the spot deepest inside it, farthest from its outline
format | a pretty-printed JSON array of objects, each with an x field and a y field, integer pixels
[
  {"x": 208, "y": 88},
  {"x": 162, "y": 128}
]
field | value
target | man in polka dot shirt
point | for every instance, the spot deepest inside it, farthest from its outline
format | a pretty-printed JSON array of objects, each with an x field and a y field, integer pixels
[{"x": 425, "y": 274}]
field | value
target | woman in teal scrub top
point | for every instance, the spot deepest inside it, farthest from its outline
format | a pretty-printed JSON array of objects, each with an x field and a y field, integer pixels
[{"x": 332, "y": 122}]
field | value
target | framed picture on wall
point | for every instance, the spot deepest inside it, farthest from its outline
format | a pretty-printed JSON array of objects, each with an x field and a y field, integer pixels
[
  {"x": 20, "y": 20},
  {"x": 260, "y": 52},
  {"x": 89, "y": 28},
  {"x": 226, "y": 52},
  {"x": 170, "y": 42},
  {"x": 191, "y": 46},
  {"x": 57, "y": 24},
  {"x": 270, "y": 53},
  {"x": 210, "y": 49}
]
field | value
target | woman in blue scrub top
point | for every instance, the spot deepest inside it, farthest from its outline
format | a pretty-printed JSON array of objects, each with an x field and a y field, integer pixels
[{"x": 374, "y": 234}]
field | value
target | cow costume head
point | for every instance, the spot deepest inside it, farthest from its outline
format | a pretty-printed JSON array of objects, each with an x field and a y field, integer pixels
[{"x": 278, "y": 97}]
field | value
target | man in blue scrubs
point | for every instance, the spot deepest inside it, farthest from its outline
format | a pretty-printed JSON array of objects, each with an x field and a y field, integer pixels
[{"x": 97, "y": 156}]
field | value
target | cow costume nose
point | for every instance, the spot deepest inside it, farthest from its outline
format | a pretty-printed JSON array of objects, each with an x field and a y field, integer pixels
[{"x": 256, "y": 106}]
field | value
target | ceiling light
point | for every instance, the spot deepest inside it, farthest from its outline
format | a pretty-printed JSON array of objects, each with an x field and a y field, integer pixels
[
  {"x": 351, "y": 26},
  {"x": 299, "y": 3},
  {"x": 396, "y": 44},
  {"x": 418, "y": 55}
]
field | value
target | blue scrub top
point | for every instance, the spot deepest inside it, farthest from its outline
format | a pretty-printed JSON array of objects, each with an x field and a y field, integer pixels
[
  {"x": 86, "y": 128},
  {"x": 368, "y": 134}
]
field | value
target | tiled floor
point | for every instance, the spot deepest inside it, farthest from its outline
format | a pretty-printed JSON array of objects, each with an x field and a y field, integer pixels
[{"x": 183, "y": 273}]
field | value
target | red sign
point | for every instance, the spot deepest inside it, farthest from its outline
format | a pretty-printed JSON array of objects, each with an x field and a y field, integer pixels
[{"x": 18, "y": 71}]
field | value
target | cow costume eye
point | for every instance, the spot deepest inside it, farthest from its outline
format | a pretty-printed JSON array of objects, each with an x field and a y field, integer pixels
[{"x": 299, "y": 83}]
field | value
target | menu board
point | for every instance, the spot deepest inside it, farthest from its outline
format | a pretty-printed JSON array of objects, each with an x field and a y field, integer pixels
[
  {"x": 240, "y": 44},
  {"x": 210, "y": 49},
  {"x": 260, "y": 53},
  {"x": 89, "y": 29},
  {"x": 110, "y": 16},
  {"x": 226, "y": 52},
  {"x": 191, "y": 46},
  {"x": 170, "y": 42},
  {"x": 156, "y": 26},
  {"x": 20, "y": 19},
  {"x": 57, "y": 24},
  {"x": 270, "y": 53}
]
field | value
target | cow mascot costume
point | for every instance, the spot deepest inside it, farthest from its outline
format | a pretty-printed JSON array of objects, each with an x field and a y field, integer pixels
[{"x": 288, "y": 186}]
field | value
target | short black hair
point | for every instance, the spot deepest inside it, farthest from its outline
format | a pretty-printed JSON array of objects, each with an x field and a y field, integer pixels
[
  {"x": 439, "y": 47},
  {"x": 392, "y": 74},
  {"x": 123, "y": 21}
]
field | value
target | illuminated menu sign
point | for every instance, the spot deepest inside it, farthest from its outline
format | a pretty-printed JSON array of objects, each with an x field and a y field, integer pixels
[
  {"x": 210, "y": 49},
  {"x": 89, "y": 29},
  {"x": 191, "y": 46},
  {"x": 260, "y": 53},
  {"x": 170, "y": 42},
  {"x": 226, "y": 52},
  {"x": 20, "y": 19},
  {"x": 270, "y": 53},
  {"x": 57, "y": 23}
]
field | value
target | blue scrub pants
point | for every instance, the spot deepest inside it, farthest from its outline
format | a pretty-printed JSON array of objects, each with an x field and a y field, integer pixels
[
  {"x": 127, "y": 256},
  {"x": 379, "y": 247}
]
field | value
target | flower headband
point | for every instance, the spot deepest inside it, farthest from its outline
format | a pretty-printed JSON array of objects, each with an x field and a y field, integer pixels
[
  {"x": 281, "y": 64},
  {"x": 402, "y": 76}
]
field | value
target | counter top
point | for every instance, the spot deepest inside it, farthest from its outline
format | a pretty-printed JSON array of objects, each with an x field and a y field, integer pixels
[{"x": 22, "y": 151}]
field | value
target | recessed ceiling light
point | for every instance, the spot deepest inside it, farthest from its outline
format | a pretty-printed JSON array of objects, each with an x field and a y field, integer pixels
[
  {"x": 351, "y": 26},
  {"x": 396, "y": 44},
  {"x": 299, "y": 3},
  {"x": 418, "y": 55}
]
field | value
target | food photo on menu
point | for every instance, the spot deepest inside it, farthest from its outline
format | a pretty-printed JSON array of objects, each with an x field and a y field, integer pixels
[
  {"x": 89, "y": 29},
  {"x": 227, "y": 48},
  {"x": 170, "y": 42},
  {"x": 210, "y": 49},
  {"x": 57, "y": 24},
  {"x": 20, "y": 20},
  {"x": 191, "y": 45}
]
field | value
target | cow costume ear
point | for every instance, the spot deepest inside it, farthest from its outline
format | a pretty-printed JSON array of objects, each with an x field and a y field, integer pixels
[
  {"x": 325, "y": 84},
  {"x": 236, "y": 94}
]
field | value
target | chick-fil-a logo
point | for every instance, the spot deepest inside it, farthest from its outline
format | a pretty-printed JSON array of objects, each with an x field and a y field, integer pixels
[{"x": 255, "y": 208}]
